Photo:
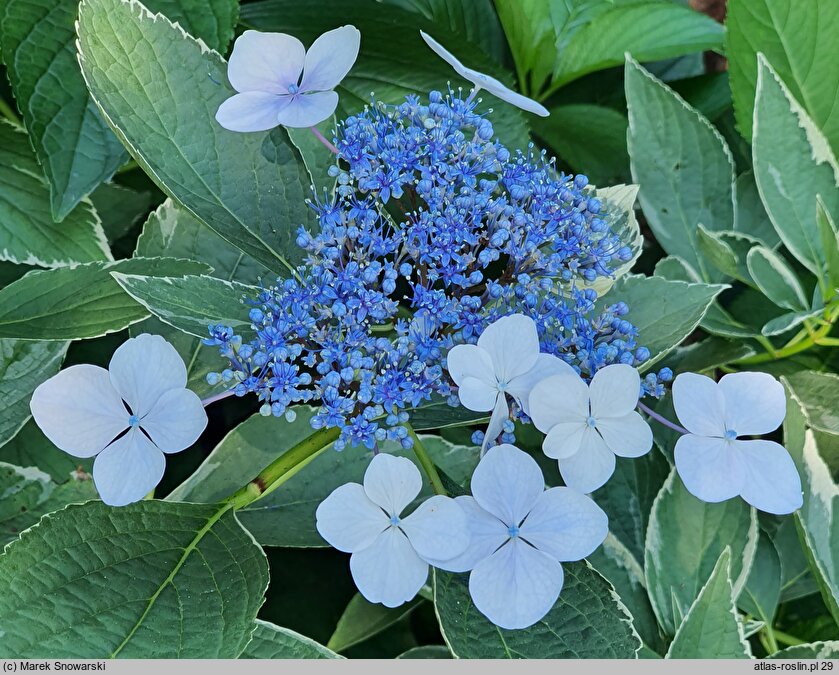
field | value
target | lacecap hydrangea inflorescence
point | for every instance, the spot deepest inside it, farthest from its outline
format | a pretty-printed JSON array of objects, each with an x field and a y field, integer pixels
[{"x": 434, "y": 231}]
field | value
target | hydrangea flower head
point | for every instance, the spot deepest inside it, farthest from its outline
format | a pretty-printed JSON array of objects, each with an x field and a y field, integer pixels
[
  {"x": 390, "y": 553},
  {"x": 266, "y": 68},
  {"x": 520, "y": 533},
  {"x": 127, "y": 416},
  {"x": 505, "y": 361},
  {"x": 586, "y": 425},
  {"x": 482, "y": 81},
  {"x": 712, "y": 460}
]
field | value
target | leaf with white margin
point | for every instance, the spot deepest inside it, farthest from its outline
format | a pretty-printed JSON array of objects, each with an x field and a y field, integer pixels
[
  {"x": 84, "y": 301},
  {"x": 683, "y": 165},
  {"x": 792, "y": 163},
  {"x": 829, "y": 279},
  {"x": 28, "y": 234},
  {"x": 159, "y": 89},
  {"x": 664, "y": 312},
  {"x": 270, "y": 641},
  {"x": 818, "y": 393},
  {"x": 676, "y": 566},
  {"x": 811, "y": 650},
  {"x": 24, "y": 364},
  {"x": 727, "y": 251},
  {"x": 762, "y": 592},
  {"x": 818, "y": 518},
  {"x": 149, "y": 580},
  {"x": 775, "y": 279},
  {"x": 589, "y": 621},
  {"x": 711, "y": 629},
  {"x": 786, "y": 322}
]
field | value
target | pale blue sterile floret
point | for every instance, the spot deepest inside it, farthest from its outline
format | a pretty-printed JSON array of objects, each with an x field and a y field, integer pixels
[{"x": 433, "y": 216}]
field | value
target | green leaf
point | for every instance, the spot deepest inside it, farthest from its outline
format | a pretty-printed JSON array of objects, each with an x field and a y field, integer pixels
[
  {"x": 160, "y": 89},
  {"x": 213, "y": 21},
  {"x": 529, "y": 27},
  {"x": 28, "y": 234},
  {"x": 799, "y": 39},
  {"x": 148, "y": 580},
  {"x": 628, "y": 498},
  {"x": 727, "y": 251},
  {"x": 762, "y": 592},
  {"x": 394, "y": 61},
  {"x": 588, "y": 621},
  {"x": 316, "y": 157},
  {"x": 26, "y": 494},
  {"x": 24, "y": 364},
  {"x": 274, "y": 642},
  {"x": 590, "y": 138},
  {"x": 362, "y": 620},
  {"x": 119, "y": 208},
  {"x": 438, "y": 414},
  {"x": 829, "y": 278},
  {"x": 664, "y": 312},
  {"x": 708, "y": 354},
  {"x": 786, "y": 322},
  {"x": 648, "y": 30},
  {"x": 190, "y": 303},
  {"x": 79, "y": 302},
  {"x": 427, "y": 652},
  {"x": 710, "y": 628},
  {"x": 818, "y": 393},
  {"x": 750, "y": 216},
  {"x": 30, "y": 447},
  {"x": 813, "y": 650},
  {"x": 621, "y": 568},
  {"x": 682, "y": 164},
  {"x": 676, "y": 566},
  {"x": 775, "y": 279},
  {"x": 817, "y": 519},
  {"x": 287, "y": 517},
  {"x": 792, "y": 164}
]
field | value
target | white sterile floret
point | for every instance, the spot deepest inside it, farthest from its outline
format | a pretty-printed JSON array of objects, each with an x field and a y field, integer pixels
[
  {"x": 127, "y": 416},
  {"x": 505, "y": 361},
  {"x": 713, "y": 463},
  {"x": 265, "y": 68},
  {"x": 586, "y": 425},
  {"x": 520, "y": 533},
  {"x": 486, "y": 82},
  {"x": 390, "y": 554}
]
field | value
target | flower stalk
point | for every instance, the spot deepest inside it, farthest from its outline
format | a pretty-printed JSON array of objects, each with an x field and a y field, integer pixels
[{"x": 425, "y": 462}]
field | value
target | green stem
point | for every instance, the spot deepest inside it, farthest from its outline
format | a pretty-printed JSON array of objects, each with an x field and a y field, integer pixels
[
  {"x": 8, "y": 112},
  {"x": 771, "y": 639},
  {"x": 283, "y": 468},
  {"x": 789, "y": 350},
  {"x": 787, "y": 639},
  {"x": 425, "y": 462}
]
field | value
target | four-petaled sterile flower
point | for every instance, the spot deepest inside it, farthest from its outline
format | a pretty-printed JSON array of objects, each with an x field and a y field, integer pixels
[
  {"x": 265, "y": 69},
  {"x": 520, "y": 533},
  {"x": 506, "y": 360},
  {"x": 127, "y": 416},
  {"x": 712, "y": 463},
  {"x": 587, "y": 425},
  {"x": 390, "y": 554},
  {"x": 482, "y": 81}
]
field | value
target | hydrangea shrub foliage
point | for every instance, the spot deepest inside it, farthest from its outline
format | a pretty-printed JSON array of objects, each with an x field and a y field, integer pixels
[{"x": 418, "y": 334}]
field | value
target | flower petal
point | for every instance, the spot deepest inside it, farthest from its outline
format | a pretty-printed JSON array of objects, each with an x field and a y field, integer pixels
[
  {"x": 513, "y": 345},
  {"x": 437, "y": 529},
  {"x": 559, "y": 400},
  {"x": 516, "y": 586},
  {"x": 389, "y": 571},
  {"x": 507, "y": 482},
  {"x": 710, "y": 468},
  {"x": 564, "y": 439},
  {"x": 699, "y": 404},
  {"x": 392, "y": 482},
  {"x": 79, "y": 410},
  {"x": 176, "y": 420},
  {"x": 547, "y": 365},
  {"x": 470, "y": 361},
  {"x": 128, "y": 469},
  {"x": 444, "y": 53},
  {"x": 330, "y": 58},
  {"x": 755, "y": 403},
  {"x": 268, "y": 62},
  {"x": 348, "y": 520},
  {"x": 565, "y": 524},
  {"x": 591, "y": 466},
  {"x": 251, "y": 111},
  {"x": 477, "y": 395},
  {"x": 614, "y": 390},
  {"x": 772, "y": 483},
  {"x": 143, "y": 368},
  {"x": 500, "y": 413},
  {"x": 486, "y": 535},
  {"x": 499, "y": 89},
  {"x": 627, "y": 436},
  {"x": 307, "y": 110}
]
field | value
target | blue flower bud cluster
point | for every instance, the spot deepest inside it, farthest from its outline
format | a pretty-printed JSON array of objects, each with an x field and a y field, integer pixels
[{"x": 433, "y": 232}]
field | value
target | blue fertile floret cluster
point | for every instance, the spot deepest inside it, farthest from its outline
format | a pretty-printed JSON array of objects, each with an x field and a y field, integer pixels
[{"x": 434, "y": 231}]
